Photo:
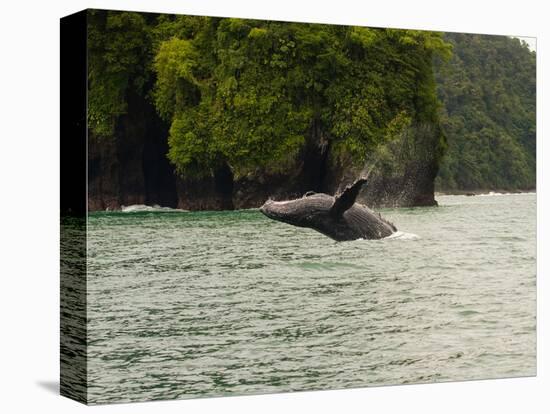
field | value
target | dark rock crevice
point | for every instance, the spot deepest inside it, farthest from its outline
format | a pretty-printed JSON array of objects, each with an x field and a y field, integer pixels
[
  {"x": 131, "y": 166},
  {"x": 207, "y": 193}
]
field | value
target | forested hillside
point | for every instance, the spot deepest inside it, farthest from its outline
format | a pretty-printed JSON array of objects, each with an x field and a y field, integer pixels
[
  {"x": 221, "y": 113},
  {"x": 487, "y": 91},
  {"x": 215, "y": 113}
]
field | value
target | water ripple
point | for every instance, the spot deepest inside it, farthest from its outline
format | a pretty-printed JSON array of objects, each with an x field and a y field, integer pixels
[{"x": 188, "y": 304}]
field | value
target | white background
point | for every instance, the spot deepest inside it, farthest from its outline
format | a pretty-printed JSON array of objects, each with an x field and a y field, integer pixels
[{"x": 29, "y": 194}]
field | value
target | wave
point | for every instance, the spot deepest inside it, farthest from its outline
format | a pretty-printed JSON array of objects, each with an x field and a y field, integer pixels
[
  {"x": 398, "y": 235},
  {"x": 494, "y": 194},
  {"x": 402, "y": 235},
  {"x": 139, "y": 208}
]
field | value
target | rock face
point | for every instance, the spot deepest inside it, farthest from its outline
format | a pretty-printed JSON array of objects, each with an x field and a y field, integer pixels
[
  {"x": 132, "y": 168},
  {"x": 413, "y": 188},
  {"x": 215, "y": 193}
]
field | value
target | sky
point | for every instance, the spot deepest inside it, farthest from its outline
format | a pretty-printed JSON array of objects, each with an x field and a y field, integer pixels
[{"x": 531, "y": 41}]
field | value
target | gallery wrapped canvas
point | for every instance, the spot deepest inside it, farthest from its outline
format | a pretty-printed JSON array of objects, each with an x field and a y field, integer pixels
[{"x": 254, "y": 206}]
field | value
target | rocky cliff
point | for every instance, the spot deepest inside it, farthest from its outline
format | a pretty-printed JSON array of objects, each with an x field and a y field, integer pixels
[
  {"x": 131, "y": 168},
  {"x": 213, "y": 113}
]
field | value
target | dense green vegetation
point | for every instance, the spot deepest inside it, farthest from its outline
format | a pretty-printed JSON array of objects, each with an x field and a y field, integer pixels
[
  {"x": 247, "y": 93},
  {"x": 119, "y": 56},
  {"x": 488, "y": 100},
  {"x": 252, "y": 95}
]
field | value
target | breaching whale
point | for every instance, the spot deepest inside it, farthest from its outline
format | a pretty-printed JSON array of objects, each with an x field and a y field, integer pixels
[{"x": 338, "y": 217}]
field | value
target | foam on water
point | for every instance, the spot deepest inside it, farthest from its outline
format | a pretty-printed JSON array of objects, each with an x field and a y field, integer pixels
[
  {"x": 494, "y": 194},
  {"x": 402, "y": 235},
  {"x": 398, "y": 235},
  {"x": 138, "y": 208}
]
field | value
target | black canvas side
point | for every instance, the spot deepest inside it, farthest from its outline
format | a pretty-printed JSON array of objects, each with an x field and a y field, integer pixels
[{"x": 73, "y": 181}]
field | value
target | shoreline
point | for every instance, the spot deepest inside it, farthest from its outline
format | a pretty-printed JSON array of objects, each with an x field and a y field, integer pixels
[{"x": 482, "y": 192}]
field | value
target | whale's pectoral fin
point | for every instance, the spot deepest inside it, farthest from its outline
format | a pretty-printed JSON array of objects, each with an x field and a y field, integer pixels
[{"x": 346, "y": 198}]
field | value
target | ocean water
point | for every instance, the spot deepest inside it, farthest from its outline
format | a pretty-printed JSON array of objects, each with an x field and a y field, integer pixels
[{"x": 194, "y": 304}]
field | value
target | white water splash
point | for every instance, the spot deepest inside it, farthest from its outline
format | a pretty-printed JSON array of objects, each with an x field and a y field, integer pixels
[
  {"x": 401, "y": 235},
  {"x": 398, "y": 235},
  {"x": 493, "y": 194},
  {"x": 138, "y": 208}
]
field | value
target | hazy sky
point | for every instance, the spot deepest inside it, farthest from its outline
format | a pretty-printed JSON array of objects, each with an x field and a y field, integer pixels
[{"x": 531, "y": 41}]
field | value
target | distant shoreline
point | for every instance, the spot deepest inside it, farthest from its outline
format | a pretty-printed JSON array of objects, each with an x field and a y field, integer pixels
[{"x": 482, "y": 192}]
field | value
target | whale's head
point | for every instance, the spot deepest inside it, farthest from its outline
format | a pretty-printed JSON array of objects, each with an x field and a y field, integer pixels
[{"x": 302, "y": 212}]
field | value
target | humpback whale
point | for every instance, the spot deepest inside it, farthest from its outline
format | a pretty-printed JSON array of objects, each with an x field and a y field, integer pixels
[{"x": 338, "y": 217}]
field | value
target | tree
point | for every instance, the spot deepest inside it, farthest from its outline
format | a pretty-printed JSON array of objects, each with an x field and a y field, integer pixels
[
  {"x": 247, "y": 92},
  {"x": 488, "y": 115}
]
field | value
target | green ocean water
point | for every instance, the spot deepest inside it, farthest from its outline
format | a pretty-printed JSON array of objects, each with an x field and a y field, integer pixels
[{"x": 192, "y": 304}]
